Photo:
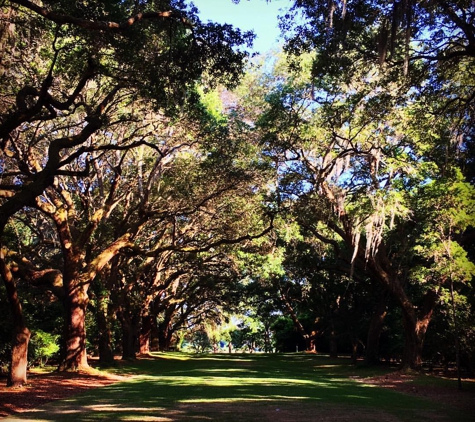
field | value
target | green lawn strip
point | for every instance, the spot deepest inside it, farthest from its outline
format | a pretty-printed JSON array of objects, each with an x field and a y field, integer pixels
[{"x": 176, "y": 387}]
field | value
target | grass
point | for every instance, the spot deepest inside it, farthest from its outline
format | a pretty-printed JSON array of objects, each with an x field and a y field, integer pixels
[{"x": 182, "y": 387}]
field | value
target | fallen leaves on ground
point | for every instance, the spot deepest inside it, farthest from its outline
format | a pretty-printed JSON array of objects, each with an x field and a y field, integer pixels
[{"x": 43, "y": 388}]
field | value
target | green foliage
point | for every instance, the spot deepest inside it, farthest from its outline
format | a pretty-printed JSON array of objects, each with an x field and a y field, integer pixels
[
  {"x": 365, "y": 149},
  {"x": 42, "y": 346},
  {"x": 249, "y": 334},
  {"x": 285, "y": 337},
  {"x": 443, "y": 333},
  {"x": 448, "y": 207},
  {"x": 200, "y": 342}
]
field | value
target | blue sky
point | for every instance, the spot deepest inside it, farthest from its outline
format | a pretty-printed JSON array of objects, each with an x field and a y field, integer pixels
[{"x": 257, "y": 15}]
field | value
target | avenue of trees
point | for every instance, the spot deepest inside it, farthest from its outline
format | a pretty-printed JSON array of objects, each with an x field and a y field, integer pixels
[{"x": 160, "y": 190}]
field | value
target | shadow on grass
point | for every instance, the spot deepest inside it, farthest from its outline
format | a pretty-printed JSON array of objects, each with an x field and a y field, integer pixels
[{"x": 179, "y": 387}]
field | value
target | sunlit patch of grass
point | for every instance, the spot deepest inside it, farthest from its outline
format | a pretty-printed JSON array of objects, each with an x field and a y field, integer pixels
[
  {"x": 242, "y": 371},
  {"x": 328, "y": 366},
  {"x": 45, "y": 369},
  {"x": 113, "y": 408},
  {"x": 244, "y": 400},
  {"x": 221, "y": 359},
  {"x": 230, "y": 381},
  {"x": 175, "y": 356},
  {"x": 149, "y": 418}
]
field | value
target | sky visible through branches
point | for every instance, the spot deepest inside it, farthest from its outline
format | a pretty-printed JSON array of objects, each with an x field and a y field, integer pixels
[{"x": 257, "y": 15}]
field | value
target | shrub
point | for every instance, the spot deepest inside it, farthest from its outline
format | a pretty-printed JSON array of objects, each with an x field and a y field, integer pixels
[{"x": 43, "y": 346}]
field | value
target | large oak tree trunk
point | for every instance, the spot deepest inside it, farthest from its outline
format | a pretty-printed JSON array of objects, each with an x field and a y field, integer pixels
[
  {"x": 145, "y": 334},
  {"x": 165, "y": 328},
  {"x": 410, "y": 355},
  {"x": 17, "y": 375},
  {"x": 415, "y": 328},
  {"x": 413, "y": 331},
  {"x": 129, "y": 336},
  {"x": 424, "y": 317},
  {"x": 75, "y": 355},
  {"x": 78, "y": 275},
  {"x": 163, "y": 337},
  {"x": 19, "y": 359},
  {"x": 106, "y": 354}
]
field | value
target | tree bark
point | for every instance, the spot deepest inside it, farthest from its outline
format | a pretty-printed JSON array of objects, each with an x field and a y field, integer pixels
[
  {"x": 424, "y": 317},
  {"x": 410, "y": 356},
  {"x": 106, "y": 354},
  {"x": 19, "y": 360},
  {"x": 129, "y": 336},
  {"x": 75, "y": 355},
  {"x": 145, "y": 333},
  {"x": 415, "y": 328},
  {"x": 165, "y": 328},
  {"x": 163, "y": 337},
  {"x": 76, "y": 282},
  {"x": 154, "y": 333},
  {"x": 17, "y": 374}
]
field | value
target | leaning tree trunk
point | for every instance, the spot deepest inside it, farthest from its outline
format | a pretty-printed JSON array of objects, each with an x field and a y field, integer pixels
[
  {"x": 424, "y": 317},
  {"x": 411, "y": 358},
  {"x": 297, "y": 324},
  {"x": 169, "y": 339},
  {"x": 415, "y": 328},
  {"x": 21, "y": 334},
  {"x": 381, "y": 268}
]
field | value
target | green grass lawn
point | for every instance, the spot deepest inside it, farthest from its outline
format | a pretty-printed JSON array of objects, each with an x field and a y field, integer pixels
[{"x": 257, "y": 387}]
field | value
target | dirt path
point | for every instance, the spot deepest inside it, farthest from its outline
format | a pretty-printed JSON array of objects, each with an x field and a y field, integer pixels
[
  {"x": 44, "y": 388},
  {"x": 403, "y": 383}
]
